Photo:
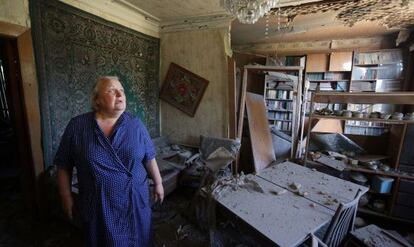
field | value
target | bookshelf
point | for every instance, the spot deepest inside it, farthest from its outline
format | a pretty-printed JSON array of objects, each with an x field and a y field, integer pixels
[
  {"x": 327, "y": 82},
  {"x": 259, "y": 79},
  {"x": 392, "y": 147},
  {"x": 328, "y": 72},
  {"x": 382, "y": 69},
  {"x": 279, "y": 98},
  {"x": 364, "y": 71},
  {"x": 374, "y": 71}
]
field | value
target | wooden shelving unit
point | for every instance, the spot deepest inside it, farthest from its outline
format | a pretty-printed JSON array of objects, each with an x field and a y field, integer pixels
[
  {"x": 396, "y": 138},
  {"x": 361, "y": 71},
  {"x": 326, "y": 80},
  {"x": 386, "y": 121},
  {"x": 254, "y": 81},
  {"x": 398, "y": 98},
  {"x": 328, "y": 72},
  {"x": 375, "y": 71},
  {"x": 280, "y": 92},
  {"x": 388, "y": 174}
]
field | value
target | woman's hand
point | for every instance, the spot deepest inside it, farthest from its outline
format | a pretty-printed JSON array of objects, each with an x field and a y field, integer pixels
[
  {"x": 64, "y": 182},
  {"x": 158, "y": 193},
  {"x": 152, "y": 168},
  {"x": 67, "y": 205}
]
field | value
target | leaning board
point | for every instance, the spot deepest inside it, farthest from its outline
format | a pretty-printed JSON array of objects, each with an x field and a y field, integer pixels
[{"x": 261, "y": 139}]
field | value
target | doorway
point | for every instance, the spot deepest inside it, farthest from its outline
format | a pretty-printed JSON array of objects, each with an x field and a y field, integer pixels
[{"x": 16, "y": 165}]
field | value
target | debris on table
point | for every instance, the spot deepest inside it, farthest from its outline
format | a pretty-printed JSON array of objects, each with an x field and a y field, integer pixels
[
  {"x": 279, "y": 192},
  {"x": 331, "y": 201},
  {"x": 302, "y": 193},
  {"x": 295, "y": 186},
  {"x": 221, "y": 186}
]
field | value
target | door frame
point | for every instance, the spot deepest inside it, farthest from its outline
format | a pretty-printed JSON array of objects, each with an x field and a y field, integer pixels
[{"x": 29, "y": 104}]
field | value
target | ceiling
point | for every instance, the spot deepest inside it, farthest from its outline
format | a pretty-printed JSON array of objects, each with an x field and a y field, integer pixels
[
  {"x": 167, "y": 10},
  {"x": 311, "y": 27},
  {"x": 314, "y": 20}
]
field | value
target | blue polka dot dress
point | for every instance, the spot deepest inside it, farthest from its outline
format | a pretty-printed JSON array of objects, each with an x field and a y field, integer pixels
[{"x": 114, "y": 197}]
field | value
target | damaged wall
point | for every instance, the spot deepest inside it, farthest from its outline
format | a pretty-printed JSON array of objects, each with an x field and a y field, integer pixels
[
  {"x": 15, "y": 12},
  {"x": 92, "y": 47},
  {"x": 203, "y": 53},
  {"x": 118, "y": 13}
]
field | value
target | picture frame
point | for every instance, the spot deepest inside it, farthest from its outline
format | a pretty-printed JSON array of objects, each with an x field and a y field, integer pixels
[{"x": 183, "y": 89}]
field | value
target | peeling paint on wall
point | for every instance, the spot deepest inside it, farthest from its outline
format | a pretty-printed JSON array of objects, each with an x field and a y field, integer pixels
[{"x": 390, "y": 13}]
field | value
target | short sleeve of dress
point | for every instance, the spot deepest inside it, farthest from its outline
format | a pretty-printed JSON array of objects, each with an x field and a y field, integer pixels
[
  {"x": 148, "y": 144},
  {"x": 63, "y": 158}
]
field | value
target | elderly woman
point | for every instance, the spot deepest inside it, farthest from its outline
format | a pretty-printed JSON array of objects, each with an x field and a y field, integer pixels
[{"x": 112, "y": 152}]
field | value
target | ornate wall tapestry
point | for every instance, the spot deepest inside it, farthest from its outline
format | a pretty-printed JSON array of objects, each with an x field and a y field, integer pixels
[
  {"x": 72, "y": 49},
  {"x": 183, "y": 89}
]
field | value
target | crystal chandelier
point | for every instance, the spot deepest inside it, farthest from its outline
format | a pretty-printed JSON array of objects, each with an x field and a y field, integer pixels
[{"x": 249, "y": 11}]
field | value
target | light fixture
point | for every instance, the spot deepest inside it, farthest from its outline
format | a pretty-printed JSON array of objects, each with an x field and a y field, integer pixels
[{"x": 249, "y": 11}]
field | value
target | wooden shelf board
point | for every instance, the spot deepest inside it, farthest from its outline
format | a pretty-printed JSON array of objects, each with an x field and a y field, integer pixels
[
  {"x": 372, "y": 127},
  {"x": 280, "y": 120},
  {"x": 365, "y": 98},
  {"x": 338, "y": 71},
  {"x": 356, "y": 91},
  {"x": 278, "y": 89},
  {"x": 279, "y": 99},
  {"x": 374, "y": 213},
  {"x": 388, "y": 121},
  {"x": 314, "y": 91},
  {"x": 376, "y": 172},
  {"x": 279, "y": 80},
  {"x": 370, "y": 157},
  {"x": 280, "y": 110},
  {"x": 325, "y": 80},
  {"x": 376, "y": 64},
  {"x": 362, "y": 80},
  {"x": 326, "y": 89},
  {"x": 379, "y": 194},
  {"x": 273, "y": 68}
]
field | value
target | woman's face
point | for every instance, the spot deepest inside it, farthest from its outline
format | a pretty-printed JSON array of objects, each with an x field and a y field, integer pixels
[{"x": 111, "y": 97}]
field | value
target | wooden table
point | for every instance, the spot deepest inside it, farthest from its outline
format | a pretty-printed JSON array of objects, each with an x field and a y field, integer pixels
[
  {"x": 287, "y": 218},
  {"x": 320, "y": 188}
]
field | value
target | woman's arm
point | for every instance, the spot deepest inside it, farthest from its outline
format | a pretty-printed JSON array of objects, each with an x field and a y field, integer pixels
[
  {"x": 152, "y": 168},
  {"x": 64, "y": 178}
]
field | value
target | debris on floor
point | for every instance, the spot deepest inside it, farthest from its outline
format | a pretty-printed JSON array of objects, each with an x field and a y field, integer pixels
[
  {"x": 232, "y": 183},
  {"x": 19, "y": 229},
  {"x": 374, "y": 236},
  {"x": 172, "y": 226},
  {"x": 332, "y": 162}
]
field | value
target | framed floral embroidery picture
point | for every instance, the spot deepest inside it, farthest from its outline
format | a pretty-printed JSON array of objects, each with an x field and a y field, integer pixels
[{"x": 183, "y": 89}]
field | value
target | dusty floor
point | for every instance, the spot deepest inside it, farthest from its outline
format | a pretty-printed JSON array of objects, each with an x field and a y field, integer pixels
[
  {"x": 18, "y": 228},
  {"x": 173, "y": 224}
]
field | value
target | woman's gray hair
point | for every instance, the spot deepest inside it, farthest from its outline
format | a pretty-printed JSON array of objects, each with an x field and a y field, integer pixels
[{"x": 95, "y": 91}]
